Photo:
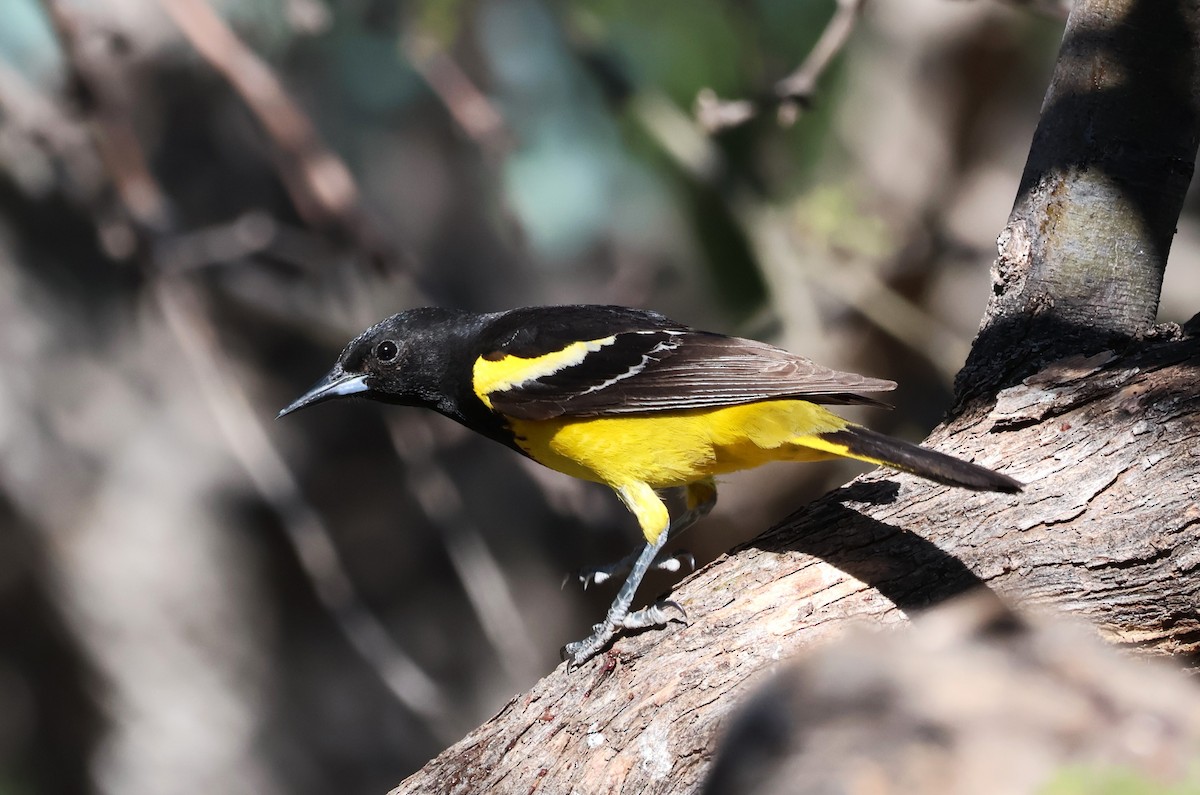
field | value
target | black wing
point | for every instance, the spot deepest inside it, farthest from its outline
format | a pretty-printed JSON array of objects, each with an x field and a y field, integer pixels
[{"x": 618, "y": 362}]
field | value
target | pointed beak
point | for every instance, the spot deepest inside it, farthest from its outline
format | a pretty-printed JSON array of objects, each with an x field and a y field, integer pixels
[{"x": 336, "y": 383}]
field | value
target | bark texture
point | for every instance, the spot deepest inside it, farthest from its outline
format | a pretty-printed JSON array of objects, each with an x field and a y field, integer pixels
[{"x": 1106, "y": 530}]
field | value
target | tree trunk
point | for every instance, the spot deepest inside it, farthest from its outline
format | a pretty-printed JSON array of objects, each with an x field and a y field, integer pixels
[
  {"x": 1083, "y": 254},
  {"x": 1068, "y": 388}
]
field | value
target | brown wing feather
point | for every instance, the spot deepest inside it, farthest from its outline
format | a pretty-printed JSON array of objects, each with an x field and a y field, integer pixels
[{"x": 671, "y": 370}]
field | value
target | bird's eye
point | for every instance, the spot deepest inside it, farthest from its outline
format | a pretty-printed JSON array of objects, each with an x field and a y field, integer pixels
[{"x": 386, "y": 351}]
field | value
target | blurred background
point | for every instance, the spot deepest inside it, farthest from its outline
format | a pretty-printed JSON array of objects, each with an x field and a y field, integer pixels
[{"x": 201, "y": 201}]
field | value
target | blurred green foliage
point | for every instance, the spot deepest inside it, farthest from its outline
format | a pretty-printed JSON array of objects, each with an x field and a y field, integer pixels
[
  {"x": 26, "y": 41},
  {"x": 1097, "y": 780}
]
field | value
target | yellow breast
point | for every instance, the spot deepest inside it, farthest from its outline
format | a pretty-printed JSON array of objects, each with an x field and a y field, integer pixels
[{"x": 668, "y": 449}]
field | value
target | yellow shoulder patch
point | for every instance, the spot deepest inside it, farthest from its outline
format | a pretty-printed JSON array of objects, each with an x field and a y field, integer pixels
[{"x": 490, "y": 376}]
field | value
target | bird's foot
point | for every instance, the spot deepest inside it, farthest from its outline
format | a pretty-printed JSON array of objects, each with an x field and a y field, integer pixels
[
  {"x": 658, "y": 614},
  {"x": 675, "y": 562}
]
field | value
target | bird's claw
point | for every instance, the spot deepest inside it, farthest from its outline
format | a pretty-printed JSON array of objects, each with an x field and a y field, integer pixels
[
  {"x": 577, "y": 653},
  {"x": 658, "y": 614},
  {"x": 595, "y": 576}
]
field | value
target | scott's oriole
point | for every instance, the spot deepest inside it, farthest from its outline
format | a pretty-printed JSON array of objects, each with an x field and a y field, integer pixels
[{"x": 630, "y": 399}]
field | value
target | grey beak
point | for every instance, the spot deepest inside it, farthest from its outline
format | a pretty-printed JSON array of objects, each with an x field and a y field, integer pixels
[{"x": 336, "y": 383}]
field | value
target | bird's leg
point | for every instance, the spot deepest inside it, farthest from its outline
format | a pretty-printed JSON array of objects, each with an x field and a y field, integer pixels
[
  {"x": 649, "y": 508},
  {"x": 580, "y": 651},
  {"x": 698, "y": 499}
]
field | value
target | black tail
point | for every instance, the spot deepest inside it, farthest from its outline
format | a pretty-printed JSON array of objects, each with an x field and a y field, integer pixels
[{"x": 867, "y": 445}]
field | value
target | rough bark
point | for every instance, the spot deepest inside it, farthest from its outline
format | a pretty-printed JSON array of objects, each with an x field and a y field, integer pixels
[{"x": 1106, "y": 530}]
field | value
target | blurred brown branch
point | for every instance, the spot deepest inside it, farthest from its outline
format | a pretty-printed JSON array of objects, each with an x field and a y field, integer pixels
[
  {"x": 792, "y": 261},
  {"x": 320, "y": 184},
  {"x": 793, "y": 93},
  {"x": 104, "y": 98},
  {"x": 971, "y": 698},
  {"x": 470, "y": 108}
]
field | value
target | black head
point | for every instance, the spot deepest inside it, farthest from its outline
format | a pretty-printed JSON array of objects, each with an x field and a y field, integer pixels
[{"x": 399, "y": 360}]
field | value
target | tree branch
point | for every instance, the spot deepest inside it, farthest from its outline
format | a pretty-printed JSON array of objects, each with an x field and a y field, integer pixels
[
  {"x": 793, "y": 93},
  {"x": 321, "y": 186}
]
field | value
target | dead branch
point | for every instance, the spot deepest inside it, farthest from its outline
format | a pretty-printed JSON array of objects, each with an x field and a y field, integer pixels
[
  {"x": 319, "y": 183},
  {"x": 792, "y": 94}
]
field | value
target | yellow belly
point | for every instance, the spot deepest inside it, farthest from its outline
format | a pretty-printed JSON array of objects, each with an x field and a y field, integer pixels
[{"x": 668, "y": 449}]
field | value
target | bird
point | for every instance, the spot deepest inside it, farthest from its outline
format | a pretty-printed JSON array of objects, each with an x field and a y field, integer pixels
[{"x": 650, "y": 407}]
